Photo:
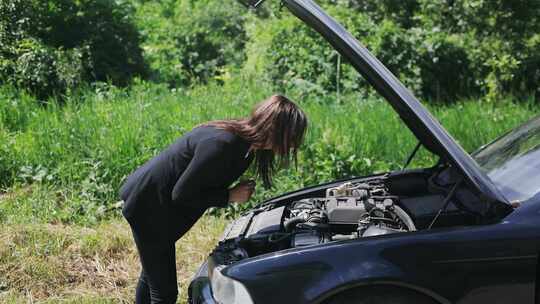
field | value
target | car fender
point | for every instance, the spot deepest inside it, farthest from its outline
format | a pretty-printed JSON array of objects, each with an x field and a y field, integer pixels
[
  {"x": 311, "y": 274},
  {"x": 390, "y": 284}
]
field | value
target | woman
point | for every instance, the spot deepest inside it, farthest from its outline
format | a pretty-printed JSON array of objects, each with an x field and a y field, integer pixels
[{"x": 168, "y": 194}]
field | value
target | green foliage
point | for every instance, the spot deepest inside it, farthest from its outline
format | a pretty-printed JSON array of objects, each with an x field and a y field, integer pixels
[
  {"x": 500, "y": 39},
  {"x": 444, "y": 68},
  {"x": 442, "y": 50},
  {"x": 401, "y": 12},
  {"x": 49, "y": 47},
  {"x": 189, "y": 41},
  {"x": 298, "y": 57}
]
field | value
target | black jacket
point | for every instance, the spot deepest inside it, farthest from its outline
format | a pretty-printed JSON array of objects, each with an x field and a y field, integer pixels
[{"x": 193, "y": 173}]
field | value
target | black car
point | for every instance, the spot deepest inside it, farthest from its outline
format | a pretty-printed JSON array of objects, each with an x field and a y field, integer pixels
[{"x": 464, "y": 231}]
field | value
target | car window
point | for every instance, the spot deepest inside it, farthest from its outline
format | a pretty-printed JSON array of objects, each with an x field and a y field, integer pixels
[{"x": 513, "y": 161}]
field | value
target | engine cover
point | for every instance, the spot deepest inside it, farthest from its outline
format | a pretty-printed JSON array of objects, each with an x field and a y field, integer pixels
[
  {"x": 344, "y": 210},
  {"x": 266, "y": 222}
]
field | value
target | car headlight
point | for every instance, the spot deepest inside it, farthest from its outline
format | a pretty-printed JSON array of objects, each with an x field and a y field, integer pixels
[{"x": 227, "y": 290}]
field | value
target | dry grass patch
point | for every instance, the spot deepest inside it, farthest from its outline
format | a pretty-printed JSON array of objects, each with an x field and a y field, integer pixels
[{"x": 43, "y": 263}]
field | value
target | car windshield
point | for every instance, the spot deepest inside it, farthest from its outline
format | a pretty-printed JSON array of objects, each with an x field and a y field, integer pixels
[{"x": 513, "y": 161}]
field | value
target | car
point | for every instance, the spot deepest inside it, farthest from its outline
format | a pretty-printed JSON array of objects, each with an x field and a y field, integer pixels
[{"x": 466, "y": 230}]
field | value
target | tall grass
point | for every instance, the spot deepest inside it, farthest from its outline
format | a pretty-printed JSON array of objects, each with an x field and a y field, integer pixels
[{"x": 65, "y": 162}]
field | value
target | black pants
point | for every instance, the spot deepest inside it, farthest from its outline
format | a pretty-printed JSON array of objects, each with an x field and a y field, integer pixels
[{"x": 155, "y": 235}]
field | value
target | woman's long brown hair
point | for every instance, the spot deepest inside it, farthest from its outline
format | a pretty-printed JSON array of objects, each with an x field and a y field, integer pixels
[{"x": 276, "y": 123}]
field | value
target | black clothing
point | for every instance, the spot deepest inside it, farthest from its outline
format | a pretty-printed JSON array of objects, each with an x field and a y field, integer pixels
[
  {"x": 167, "y": 195},
  {"x": 155, "y": 240},
  {"x": 196, "y": 170}
]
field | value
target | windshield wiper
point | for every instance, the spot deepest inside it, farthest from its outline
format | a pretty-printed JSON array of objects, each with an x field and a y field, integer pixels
[{"x": 410, "y": 158}]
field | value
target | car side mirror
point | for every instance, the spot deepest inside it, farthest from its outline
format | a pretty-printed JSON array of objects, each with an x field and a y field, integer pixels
[{"x": 251, "y": 3}]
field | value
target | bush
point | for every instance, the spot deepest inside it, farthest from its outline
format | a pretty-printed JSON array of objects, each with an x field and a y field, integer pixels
[
  {"x": 445, "y": 69},
  {"x": 298, "y": 57},
  {"x": 442, "y": 50},
  {"x": 189, "y": 41},
  {"x": 500, "y": 39},
  {"x": 401, "y": 12},
  {"x": 49, "y": 47}
]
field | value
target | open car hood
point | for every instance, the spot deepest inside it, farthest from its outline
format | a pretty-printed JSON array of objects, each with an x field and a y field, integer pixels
[{"x": 418, "y": 119}]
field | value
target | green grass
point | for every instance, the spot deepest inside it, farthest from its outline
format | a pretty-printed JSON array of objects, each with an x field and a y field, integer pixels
[
  {"x": 46, "y": 263},
  {"x": 64, "y": 163}
]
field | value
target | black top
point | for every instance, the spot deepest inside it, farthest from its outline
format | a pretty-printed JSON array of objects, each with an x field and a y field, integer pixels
[{"x": 195, "y": 171}]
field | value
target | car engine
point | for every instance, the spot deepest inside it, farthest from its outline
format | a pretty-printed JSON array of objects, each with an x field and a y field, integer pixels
[{"x": 349, "y": 211}]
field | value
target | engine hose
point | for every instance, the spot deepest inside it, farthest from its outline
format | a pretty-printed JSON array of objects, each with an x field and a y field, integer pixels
[{"x": 292, "y": 222}]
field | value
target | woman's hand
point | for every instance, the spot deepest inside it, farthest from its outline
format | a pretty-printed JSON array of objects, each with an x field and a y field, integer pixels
[{"x": 242, "y": 191}]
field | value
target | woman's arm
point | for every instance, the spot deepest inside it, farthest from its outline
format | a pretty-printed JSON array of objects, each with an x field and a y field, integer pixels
[{"x": 206, "y": 170}]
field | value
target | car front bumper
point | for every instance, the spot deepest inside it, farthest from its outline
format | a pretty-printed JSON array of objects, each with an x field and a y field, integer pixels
[{"x": 200, "y": 290}]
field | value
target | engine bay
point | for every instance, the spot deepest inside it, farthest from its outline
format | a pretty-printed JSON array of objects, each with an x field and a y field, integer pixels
[
  {"x": 349, "y": 211},
  {"x": 366, "y": 207}
]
